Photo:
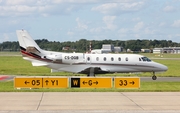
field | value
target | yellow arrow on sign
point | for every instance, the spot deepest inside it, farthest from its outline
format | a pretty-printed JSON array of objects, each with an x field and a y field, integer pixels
[
  {"x": 95, "y": 82},
  {"x": 55, "y": 82},
  {"x": 127, "y": 82}
]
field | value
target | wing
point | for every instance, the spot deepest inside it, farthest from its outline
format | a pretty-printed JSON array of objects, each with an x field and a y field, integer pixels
[
  {"x": 84, "y": 69},
  {"x": 95, "y": 70}
]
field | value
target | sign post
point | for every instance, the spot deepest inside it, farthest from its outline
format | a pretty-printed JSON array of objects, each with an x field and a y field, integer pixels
[
  {"x": 127, "y": 82},
  {"x": 40, "y": 82},
  {"x": 82, "y": 82},
  {"x": 91, "y": 82}
]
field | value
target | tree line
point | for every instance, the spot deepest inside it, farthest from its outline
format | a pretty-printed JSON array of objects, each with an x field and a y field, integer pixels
[{"x": 83, "y": 45}]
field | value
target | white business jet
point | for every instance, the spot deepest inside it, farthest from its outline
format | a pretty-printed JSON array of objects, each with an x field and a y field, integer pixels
[{"x": 85, "y": 63}]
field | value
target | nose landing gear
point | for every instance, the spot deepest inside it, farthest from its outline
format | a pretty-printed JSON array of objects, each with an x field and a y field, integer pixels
[{"x": 154, "y": 77}]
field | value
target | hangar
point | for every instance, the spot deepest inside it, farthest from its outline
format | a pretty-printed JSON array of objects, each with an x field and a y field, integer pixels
[{"x": 174, "y": 50}]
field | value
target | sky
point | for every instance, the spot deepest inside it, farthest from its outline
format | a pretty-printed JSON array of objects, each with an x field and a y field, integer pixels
[{"x": 72, "y": 20}]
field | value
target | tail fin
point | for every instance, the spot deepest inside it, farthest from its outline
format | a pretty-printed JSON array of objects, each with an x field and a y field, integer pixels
[
  {"x": 27, "y": 43},
  {"x": 30, "y": 50}
]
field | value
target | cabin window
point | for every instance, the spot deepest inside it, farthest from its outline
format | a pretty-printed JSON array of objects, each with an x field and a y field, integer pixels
[
  {"x": 104, "y": 58},
  {"x": 146, "y": 59},
  {"x": 97, "y": 58},
  {"x": 143, "y": 59},
  {"x": 119, "y": 58},
  {"x": 126, "y": 58},
  {"x": 112, "y": 59},
  {"x": 88, "y": 58},
  {"x": 139, "y": 59}
]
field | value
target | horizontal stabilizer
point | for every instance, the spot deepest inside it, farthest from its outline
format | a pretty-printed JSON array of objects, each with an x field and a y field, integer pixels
[
  {"x": 54, "y": 70},
  {"x": 39, "y": 64}
]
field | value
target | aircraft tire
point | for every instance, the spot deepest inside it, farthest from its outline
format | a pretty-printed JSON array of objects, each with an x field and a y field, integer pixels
[{"x": 154, "y": 77}]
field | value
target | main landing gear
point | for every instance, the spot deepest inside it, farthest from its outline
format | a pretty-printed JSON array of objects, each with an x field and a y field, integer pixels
[
  {"x": 154, "y": 77},
  {"x": 91, "y": 73}
]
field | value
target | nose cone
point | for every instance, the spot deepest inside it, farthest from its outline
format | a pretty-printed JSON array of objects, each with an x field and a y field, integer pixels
[{"x": 162, "y": 67}]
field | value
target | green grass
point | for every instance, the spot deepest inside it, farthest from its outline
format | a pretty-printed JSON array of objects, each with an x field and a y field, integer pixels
[
  {"x": 10, "y": 54},
  {"x": 145, "y": 87},
  {"x": 164, "y": 55},
  {"x": 15, "y": 65}
]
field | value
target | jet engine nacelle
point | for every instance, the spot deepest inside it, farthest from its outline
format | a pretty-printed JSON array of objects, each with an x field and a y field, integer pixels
[{"x": 56, "y": 58}]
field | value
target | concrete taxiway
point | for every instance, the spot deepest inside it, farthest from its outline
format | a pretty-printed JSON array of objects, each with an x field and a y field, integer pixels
[{"x": 90, "y": 101}]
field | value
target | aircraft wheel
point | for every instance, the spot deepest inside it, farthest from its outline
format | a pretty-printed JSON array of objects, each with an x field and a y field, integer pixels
[{"x": 154, "y": 77}]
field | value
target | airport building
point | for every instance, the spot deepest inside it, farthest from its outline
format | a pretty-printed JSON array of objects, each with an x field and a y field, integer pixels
[
  {"x": 118, "y": 49},
  {"x": 174, "y": 50},
  {"x": 145, "y": 50},
  {"x": 107, "y": 48}
]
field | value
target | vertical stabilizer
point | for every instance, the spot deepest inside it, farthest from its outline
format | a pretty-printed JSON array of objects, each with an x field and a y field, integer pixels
[
  {"x": 30, "y": 50},
  {"x": 26, "y": 42}
]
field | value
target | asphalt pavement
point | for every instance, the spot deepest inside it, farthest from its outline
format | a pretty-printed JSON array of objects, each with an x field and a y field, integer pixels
[
  {"x": 98, "y": 102},
  {"x": 87, "y": 102}
]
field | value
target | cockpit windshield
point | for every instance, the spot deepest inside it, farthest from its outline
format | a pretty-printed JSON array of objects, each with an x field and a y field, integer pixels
[{"x": 145, "y": 59}]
